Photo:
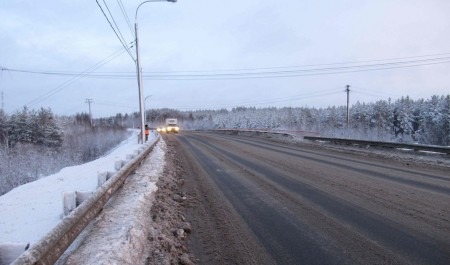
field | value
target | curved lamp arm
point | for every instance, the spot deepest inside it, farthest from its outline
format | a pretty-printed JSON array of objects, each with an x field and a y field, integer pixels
[{"x": 135, "y": 17}]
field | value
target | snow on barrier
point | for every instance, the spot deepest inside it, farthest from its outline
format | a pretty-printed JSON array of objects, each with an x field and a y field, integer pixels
[
  {"x": 73, "y": 199},
  {"x": 52, "y": 246},
  {"x": 103, "y": 177}
]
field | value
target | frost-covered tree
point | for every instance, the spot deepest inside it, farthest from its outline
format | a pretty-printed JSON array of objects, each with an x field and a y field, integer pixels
[
  {"x": 3, "y": 129},
  {"x": 403, "y": 120},
  {"x": 45, "y": 131},
  {"x": 446, "y": 121},
  {"x": 36, "y": 144},
  {"x": 434, "y": 121},
  {"x": 31, "y": 127}
]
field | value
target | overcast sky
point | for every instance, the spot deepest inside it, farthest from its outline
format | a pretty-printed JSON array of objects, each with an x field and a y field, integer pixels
[{"x": 209, "y": 47}]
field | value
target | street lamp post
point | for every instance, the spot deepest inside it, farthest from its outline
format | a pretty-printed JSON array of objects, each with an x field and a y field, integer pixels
[{"x": 139, "y": 69}]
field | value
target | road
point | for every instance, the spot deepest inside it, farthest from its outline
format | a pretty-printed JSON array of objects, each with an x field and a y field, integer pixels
[{"x": 254, "y": 201}]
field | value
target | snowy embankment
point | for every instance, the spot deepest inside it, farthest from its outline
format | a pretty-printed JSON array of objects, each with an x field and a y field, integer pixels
[
  {"x": 119, "y": 234},
  {"x": 30, "y": 211}
]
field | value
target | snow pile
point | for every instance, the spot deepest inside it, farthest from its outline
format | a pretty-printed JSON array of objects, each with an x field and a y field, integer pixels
[
  {"x": 124, "y": 222},
  {"x": 30, "y": 211}
]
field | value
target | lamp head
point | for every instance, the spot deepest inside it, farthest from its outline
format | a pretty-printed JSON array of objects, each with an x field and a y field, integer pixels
[{"x": 173, "y": 1}]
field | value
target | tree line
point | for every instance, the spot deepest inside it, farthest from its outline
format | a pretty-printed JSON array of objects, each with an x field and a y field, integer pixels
[{"x": 424, "y": 121}]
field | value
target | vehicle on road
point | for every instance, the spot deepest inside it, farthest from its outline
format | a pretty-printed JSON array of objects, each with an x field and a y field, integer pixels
[
  {"x": 161, "y": 129},
  {"x": 172, "y": 125}
]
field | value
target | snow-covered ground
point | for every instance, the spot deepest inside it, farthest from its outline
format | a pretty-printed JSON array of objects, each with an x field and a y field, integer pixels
[
  {"x": 119, "y": 234},
  {"x": 30, "y": 211}
]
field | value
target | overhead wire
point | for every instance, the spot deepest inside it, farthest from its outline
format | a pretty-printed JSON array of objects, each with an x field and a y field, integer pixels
[
  {"x": 258, "y": 75},
  {"x": 117, "y": 35},
  {"x": 66, "y": 83},
  {"x": 298, "y": 66},
  {"x": 127, "y": 18},
  {"x": 352, "y": 68},
  {"x": 115, "y": 23}
]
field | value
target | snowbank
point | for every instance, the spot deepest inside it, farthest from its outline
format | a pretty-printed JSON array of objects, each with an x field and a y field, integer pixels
[
  {"x": 119, "y": 233},
  {"x": 30, "y": 211}
]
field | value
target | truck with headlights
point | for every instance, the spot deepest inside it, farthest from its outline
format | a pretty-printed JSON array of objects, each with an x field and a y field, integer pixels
[{"x": 172, "y": 125}]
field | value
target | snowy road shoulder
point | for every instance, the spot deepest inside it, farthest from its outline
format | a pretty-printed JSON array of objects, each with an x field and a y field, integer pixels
[
  {"x": 30, "y": 211},
  {"x": 119, "y": 233}
]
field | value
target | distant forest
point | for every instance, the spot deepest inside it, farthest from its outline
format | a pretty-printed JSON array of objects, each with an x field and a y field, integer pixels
[{"x": 404, "y": 120}]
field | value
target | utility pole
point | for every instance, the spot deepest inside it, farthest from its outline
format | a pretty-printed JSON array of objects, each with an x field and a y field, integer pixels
[
  {"x": 139, "y": 70},
  {"x": 348, "y": 103},
  {"x": 3, "y": 106},
  {"x": 89, "y": 101},
  {"x": 139, "y": 77}
]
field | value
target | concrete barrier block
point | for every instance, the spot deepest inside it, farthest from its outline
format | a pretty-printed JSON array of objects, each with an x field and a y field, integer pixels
[
  {"x": 119, "y": 164},
  {"x": 102, "y": 177},
  {"x": 110, "y": 174},
  {"x": 69, "y": 202},
  {"x": 81, "y": 196}
]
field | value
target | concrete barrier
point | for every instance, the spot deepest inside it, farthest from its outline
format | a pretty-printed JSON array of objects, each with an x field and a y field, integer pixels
[
  {"x": 73, "y": 199},
  {"x": 52, "y": 246}
]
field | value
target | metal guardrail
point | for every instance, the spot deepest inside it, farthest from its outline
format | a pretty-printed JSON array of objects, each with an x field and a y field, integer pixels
[
  {"x": 52, "y": 246},
  {"x": 276, "y": 131},
  {"x": 415, "y": 147}
]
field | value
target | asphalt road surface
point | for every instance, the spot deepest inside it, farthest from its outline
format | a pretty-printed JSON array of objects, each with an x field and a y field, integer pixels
[{"x": 254, "y": 201}]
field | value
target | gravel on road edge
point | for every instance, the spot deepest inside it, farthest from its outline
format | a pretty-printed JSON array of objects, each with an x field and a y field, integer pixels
[{"x": 169, "y": 230}]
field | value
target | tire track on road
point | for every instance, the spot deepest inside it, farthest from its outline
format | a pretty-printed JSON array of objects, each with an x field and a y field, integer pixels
[
  {"x": 389, "y": 177},
  {"x": 284, "y": 236}
]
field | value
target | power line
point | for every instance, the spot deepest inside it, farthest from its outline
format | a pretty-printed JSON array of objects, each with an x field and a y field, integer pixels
[
  {"x": 114, "y": 21},
  {"x": 254, "y": 75},
  {"x": 298, "y": 66},
  {"x": 74, "y": 79},
  {"x": 216, "y": 77},
  {"x": 125, "y": 15},
  {"x": 117, "y": 35},
  {"x": 327, "y": 69}
]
